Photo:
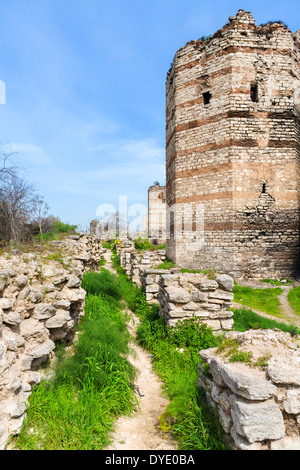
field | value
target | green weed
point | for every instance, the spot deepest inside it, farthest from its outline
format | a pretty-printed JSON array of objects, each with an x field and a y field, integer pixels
[
  {"x": 294, "y": 299},
  {"x": 265, "y": 300},
  {"x": 167, "y": 264},
  {"x": 187, "y": 417}
]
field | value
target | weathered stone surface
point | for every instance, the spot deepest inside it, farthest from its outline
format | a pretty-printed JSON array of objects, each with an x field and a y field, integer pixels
[
  {"x": 12, "y": 318},
  {"x": 221, "y": 295},
  {"x": 284, "y": 372},
  {"x": 33, "y": 329},
  {"x": 178, "y": 295},
  {"x": 43, "y": 311},
  {"x": 291, "y": 404},
  {"x": 3, "y": 280},
  {"x": 265, "y": 414},
  {"x": 207, "y": 285},
  {"x": 58, "y": 320},
  {"x": 287, "y": 443},
  {"x": 257, "y": 421},
  {"x": 6, "y": 304},
  {"x": 225, "y": 282},
  {"x": 215, "y": 367},
  {"x": 44, "y": 350},
  {"x": 74, "y": 282},
  {"x": 35, "y": 296},
  {"x": 242, "y": 443},
  {"x": 251, "y": 386},
  {"x": 85, "y": 256},
  {"x": 21, "y": 281},
  {"x": 74, "y": 295}
]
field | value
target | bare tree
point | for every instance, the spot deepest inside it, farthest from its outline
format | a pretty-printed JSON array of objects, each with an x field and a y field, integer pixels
[
  {"x": 39, "y": 210},
  {"x": 15, "y": 203},
  {"x": 7, "y": 167}
]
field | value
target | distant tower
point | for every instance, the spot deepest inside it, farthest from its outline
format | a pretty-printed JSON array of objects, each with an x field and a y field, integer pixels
[
  {"x": 232, "y": 150},
  {"x": 157, "y": 214}
]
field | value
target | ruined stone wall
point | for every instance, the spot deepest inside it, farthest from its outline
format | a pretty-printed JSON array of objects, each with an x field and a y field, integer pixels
[
  {"x": 253, "y": 380},
  {"x": 232, "y": 151},
  {"x": 41, "y": 301},
  {"x": 134, "y": 262},
  {"x": 157, "y": 214},
  {"x": 150, "y": 280},
  {"x": 182, "y": 296},
  {"x": 258, "y": 400}
]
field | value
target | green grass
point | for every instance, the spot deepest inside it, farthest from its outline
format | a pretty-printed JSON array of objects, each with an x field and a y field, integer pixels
[
  {"x": 77, "y": 409},
  {"x": 167, "y": 264},
  {"x": 144, "y": 244},
  {"x": 265, "y": 300},
  {"x": 210, "y": 272},
  {"x": 245, "y": 319},
  {"x": 277, "y": 282},
  {"x": 294, "y": 299},
  {"x": 187, "y": 417}
]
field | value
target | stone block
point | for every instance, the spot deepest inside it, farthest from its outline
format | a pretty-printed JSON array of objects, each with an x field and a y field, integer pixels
[{"x": 257, "y": 421}]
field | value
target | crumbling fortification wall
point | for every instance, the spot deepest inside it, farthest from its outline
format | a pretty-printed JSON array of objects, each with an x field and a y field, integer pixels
[
  {"x": 41, "y": 300},
  {"x": 258, "y": 400},
  {"x": 183, "y": 296},
  {"x": 134, "y": 262}
]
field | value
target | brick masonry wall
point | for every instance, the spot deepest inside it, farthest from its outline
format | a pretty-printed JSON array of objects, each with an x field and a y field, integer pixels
[
  {"x": 235, "y": 159},
  {"x": 157, "y": 214}
]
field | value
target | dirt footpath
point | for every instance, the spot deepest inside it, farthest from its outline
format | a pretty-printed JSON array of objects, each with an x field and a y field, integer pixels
[{"x": 141, "y": 431}]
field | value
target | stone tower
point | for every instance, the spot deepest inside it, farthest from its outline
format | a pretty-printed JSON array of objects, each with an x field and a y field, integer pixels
[
  {"x": 157, "y": 214},
  {"x": 232, "y": 150}
]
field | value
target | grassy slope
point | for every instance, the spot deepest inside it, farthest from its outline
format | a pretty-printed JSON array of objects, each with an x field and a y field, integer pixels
[
  {"x": 294, "y": 299},
  {"x": 265, "y": 300}
]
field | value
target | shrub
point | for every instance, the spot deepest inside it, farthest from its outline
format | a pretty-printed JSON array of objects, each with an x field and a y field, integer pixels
[
  {"x": 142, "y": 244},
  {"x": 193, "y": 334}
]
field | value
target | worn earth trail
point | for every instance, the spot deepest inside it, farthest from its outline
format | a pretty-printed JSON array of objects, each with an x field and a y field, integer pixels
[
  {"x": 141, "y": 431},
  {"x": 287, "y": 313}
]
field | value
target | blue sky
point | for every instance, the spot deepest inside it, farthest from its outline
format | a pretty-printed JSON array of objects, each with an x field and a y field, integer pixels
[{"x": 85, "y": 91}]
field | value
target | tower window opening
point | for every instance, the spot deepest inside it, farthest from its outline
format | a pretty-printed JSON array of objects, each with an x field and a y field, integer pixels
[
  {"x": 264, "y": 188},
  {"x": 206, "y": 97},
  {"x": 254, "y": 93}
]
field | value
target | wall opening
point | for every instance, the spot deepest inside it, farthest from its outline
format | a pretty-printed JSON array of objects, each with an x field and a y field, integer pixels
[
  {"x": 254, "y": 93},
  {"x": 206, "y": 97},
  {"x": 264, "y": 188}
]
